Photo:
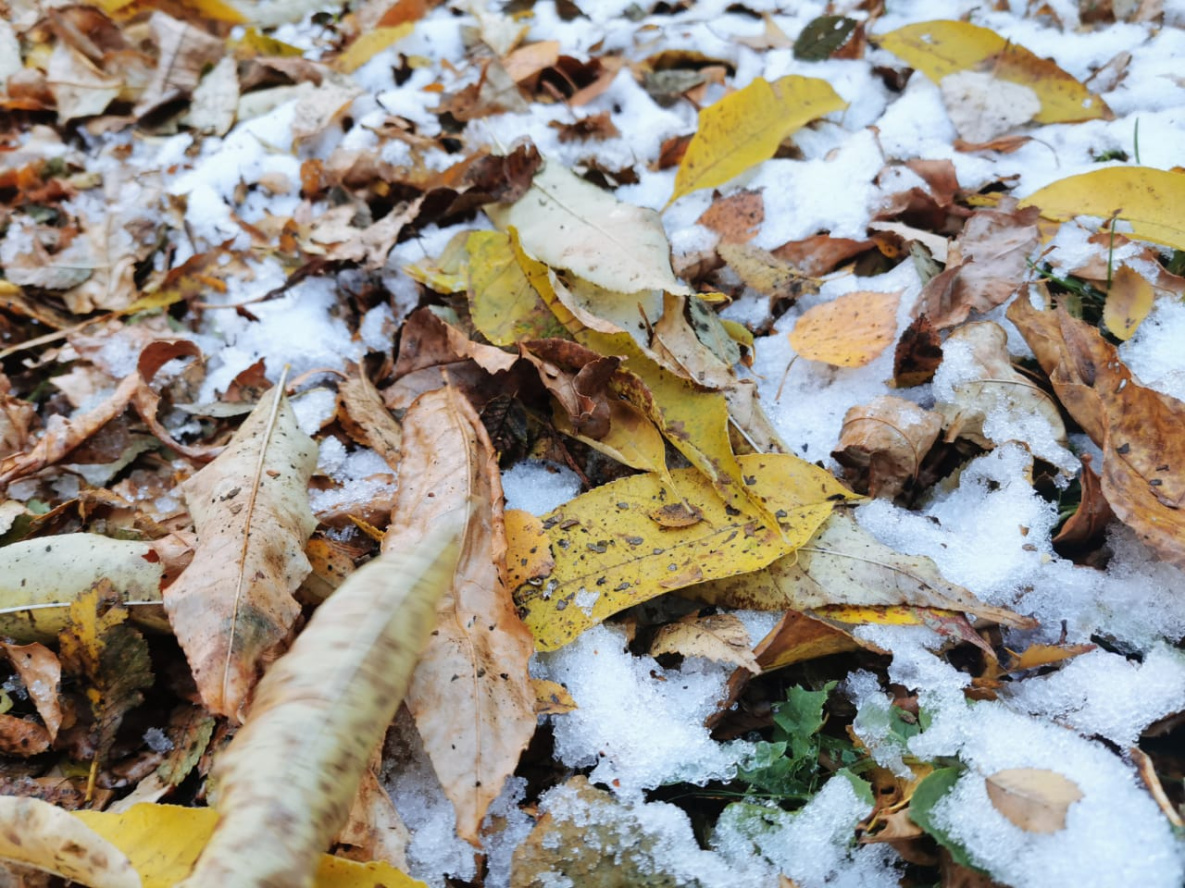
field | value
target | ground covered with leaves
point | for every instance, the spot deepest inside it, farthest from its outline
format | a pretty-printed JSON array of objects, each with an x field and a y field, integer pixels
[{"x": 592, "y": 443}]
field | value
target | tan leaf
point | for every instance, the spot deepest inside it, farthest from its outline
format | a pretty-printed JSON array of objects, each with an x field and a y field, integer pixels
[
  {"x": 764, "y": 272},
  {"x": 882, "y": 444},
  {"x": 50, "y": 839},
  {"x": 718, "y": 637},
  {"x": 471, "y": 695},
  {"x": 41, "y": 674},
  {"x": 185, "y": 51},
  {"x": 80, "y": 89},
  {"x": 736, "y": 218},
  {"x": 1034, "y": 799},
  {"x": 233, "y": 606},
  {"x": 367, "y": 420},
  {"x": 318, "y": 714},
  {"x": 1128, "y": 302},
  {"x": 799, "y": 637},
  {"x": 374, "y": 829},
  {"x": 849, "y": 331}
]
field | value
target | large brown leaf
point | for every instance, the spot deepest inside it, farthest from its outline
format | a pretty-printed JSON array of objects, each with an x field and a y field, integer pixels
[
  {"x": 233, "y": 606},
  {"x": 471, "y": 694},
  {"x": 1138, "y": 429}
]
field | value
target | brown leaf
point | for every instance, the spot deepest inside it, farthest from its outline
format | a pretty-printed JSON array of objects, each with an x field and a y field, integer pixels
[
  {"x": 367, "y": 420},
  {"x": 1085, "y": 529},
  {"x": 799, "y": 637},
  {"x": 578, "y": 377},
  {"x": 918, "y": 354},
  {"x": 882, "y": 444},
  {"x": 1034, "y": 799},
  {"x": 995, "y": 247},
  {"x": 821, "y": 253},
  {"x": 41, "y": 674},
  {"x": 721, "y": 638},
  {"x": 44, "y": 836},
  {"x": 185, "y": 51},
  {"x": 849, "y": 331},
  {"x": 233, "y": 606},
  {"x": 1137, "y": 428},
  {"x": 736, "y": 218},
  {"x": 764, "y": 272},
  {"x": 374, "y": 830},
  {"x": 22, "y": 737},
  {"x": 471, "y": 695}
]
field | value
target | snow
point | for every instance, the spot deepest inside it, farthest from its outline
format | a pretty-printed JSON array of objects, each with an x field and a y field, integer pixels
[{"x": 538, "y": 487}]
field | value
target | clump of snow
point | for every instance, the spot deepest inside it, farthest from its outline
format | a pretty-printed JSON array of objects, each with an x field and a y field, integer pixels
[
  {"x": 638, "y": 725},
  {"x": 538, "y": 487},
  {"x": 1153, "y": 354}
]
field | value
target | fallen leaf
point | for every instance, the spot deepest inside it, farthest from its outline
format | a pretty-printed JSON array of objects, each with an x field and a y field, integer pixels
[
  {"x": 1038, "y": 655},
  {"x": 346, "y": 673},
  {"x": 79, "y": 88},
  {"x": 22, "y": 737},
  {"x": 764, "y": 272},
  {"x": 163, "y": 841},
  {"x": 799, "y": 637},
  {"x": 736, "y": 218},
  {"x": 233, "y": 606},
  {"x": 578, "y": 378},
  {"x": 551, "y": 698},
  {"x": 215, "y": 99},
  {"x": 721, "y": 638},
  {"x": 882, "y": 445},
  {"x": 849, "y": 331},
  {"x": 471, "y": 694},
  {"x": 843, "y": 564},
  {"x": 1128, "y": 302},
  {"x": 41, "y": 835},
  {"x": 568, "y": 223},
  {"x": 503, "y": 304},
  {"x": 374, "y": 829},
  {"x": 41, "y": 674},
  {"x": 41, "y": 578},
  {"x": 1147, "y": 198},
  {"x": 185, "y": 51},
  {"x": 746, "y": 127},
  {"x": 984, "y": 107},
  {"x": 1136, "y": 427},
  {"x": 1087, "y": 527},
  {"x": 918, "y": 354},
  {"x": 610, "y": 553},
  {"x": 370, "y": 44},
  {"x": 367, "y": 420},
  {"x": 1034, "y": 799},
  {"x": 941, "y": 48}
]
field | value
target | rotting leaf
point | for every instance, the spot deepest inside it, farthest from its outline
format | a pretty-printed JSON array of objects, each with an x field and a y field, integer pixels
[
  {"x": 1149, "y": 199},
  {"x": 233, "y": 606},
  {"x": 345, "y": 675},
  {"x": 44, "y": 836},
  {"x": 849, "y": 331},
  {"x": 746, "y": 127},
  {"x": 471, "y": 694},
  {"x": 1034, "y": 799},
  {"x": 941, "y": 48},
  {"x": 882, "y": 444},
  {"x": 610, "y": 553},
  {"x": 918, "y": 354}
]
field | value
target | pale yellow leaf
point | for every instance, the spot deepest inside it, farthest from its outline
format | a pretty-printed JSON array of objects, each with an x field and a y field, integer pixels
[
  {"x": 1034, "y": 799},
  {"x": 1128, "y": 302},
  {"x": 746, "y": 127},
  {"x": 48, "y": 838},
  {"x": 850, "y": 331},
  {"x": 370, "y": 44}
]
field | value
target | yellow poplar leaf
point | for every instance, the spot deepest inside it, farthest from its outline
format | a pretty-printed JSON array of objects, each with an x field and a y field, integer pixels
[
  {"x": 528, "y": 553},
  {"x": 503, "y": 304},
  {"x": 1034, "y": 799},
  {"x": 1150, "y": 200},
  {"x": 746, "y": 127},
  {"x": 317, "y": 716},
  {"x": 612, "y": 549},
  {"x": 940, "y": 48},
  {"x": 163, "y": 841},
  {"x": 1128, "y": 302},
  {"x": 849, "y": 331},
  {"x": 370, "y": 44},
  {"x": 632, "y": 439},
  {"x": 38, "y": 834}
]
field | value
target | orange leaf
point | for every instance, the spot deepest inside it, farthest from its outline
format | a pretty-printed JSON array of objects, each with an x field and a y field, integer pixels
[{"x": 849, "y": 331}]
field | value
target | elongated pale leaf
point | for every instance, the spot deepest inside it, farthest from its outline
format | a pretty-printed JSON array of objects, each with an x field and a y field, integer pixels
[
  {"x": 163, "y": 841},
  {"x": 845, "y": 565},
  {"x": 233, "y": 606},
  {"x": 940, "y": 48},
  {"x": 318, "y": 714},
  {"x": 370, "y": 44},
  {"x": 471, "y": 695},
  {"x": 633, "y": 539},
  {"x": 1149, "y": 199},
  {"x": 1034, "y": 799},
  {"x": 41, "y": 578},
  {"x": 568, "y": 223},
  {"x": 746, "y": 127},
  {"x": 48, "y": 838}
]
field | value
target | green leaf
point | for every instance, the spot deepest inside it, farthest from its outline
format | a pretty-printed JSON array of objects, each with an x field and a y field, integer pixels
[{"x": 921, "y": 807}]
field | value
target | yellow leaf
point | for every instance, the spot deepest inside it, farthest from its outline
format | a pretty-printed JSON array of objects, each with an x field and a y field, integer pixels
[
  {"x": 632, "y": 439},
  {"x": 503, "y": 304},
  {"x": 255, "y": 43},
  {"x": 217, "y": 10},
  {"x": 163, "y": 841},
  {"x": 941, "y": 48},
  {"x": 746, "y": 127},
  {"x": 370, "y": 44},
  {"x": 849, "y": 331},
  {"x": 1128, "y": 302},
  {"x": 1149, "y": 199},
  {"x": 612, "y": 550},
  {"x": 1034, "y": 799},
  {"x": 41, "y": 835},
  {"x": 528, "y": 553}
]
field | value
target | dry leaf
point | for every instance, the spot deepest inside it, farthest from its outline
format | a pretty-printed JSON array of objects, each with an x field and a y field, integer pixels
[
  {"x": 613, "y": 549},
  {"x": 568, "y": 223},
  {"x": 374, "y": 830},
  {"x": 799, "y": 637},
  {"x": 41, "y": 578},
  {"x": 1149, "y": 199},
  {"x": 1137, "y": 427},
  {"x": 882, "y": 445},
  {"x": 849, "y": 331},
  {"x": 746, "y": 127},
  {"x": 918, "y": 354},
  {"x": 764, "y": 272},
  {"x": 578, "y": 378},
  {"x": 41, "y": 674},
  {"x": 185, "y": 51},
  {"x": 345, "y": 675},
  {"x": 79, "y": 88},
  {"x": 1034, "y": 799},
  {"x": 983, "y": 107},
  {"x": 1128, "y": 302},
  {"x": 41, "y": 835},
  {"x": 736, "y": 218},
  {"x": 1087, "y": 527},
  {"x": 471, "y": 695},
  {"x": 721, "y": 638},
  {"x": 233, "y": 606},
  {"x": 370, "y": 44},
  {"x": 941, "y": 48}
]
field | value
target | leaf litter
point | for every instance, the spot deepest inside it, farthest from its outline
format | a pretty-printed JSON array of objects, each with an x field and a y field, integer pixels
[{"x": 492, "y": 250}]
